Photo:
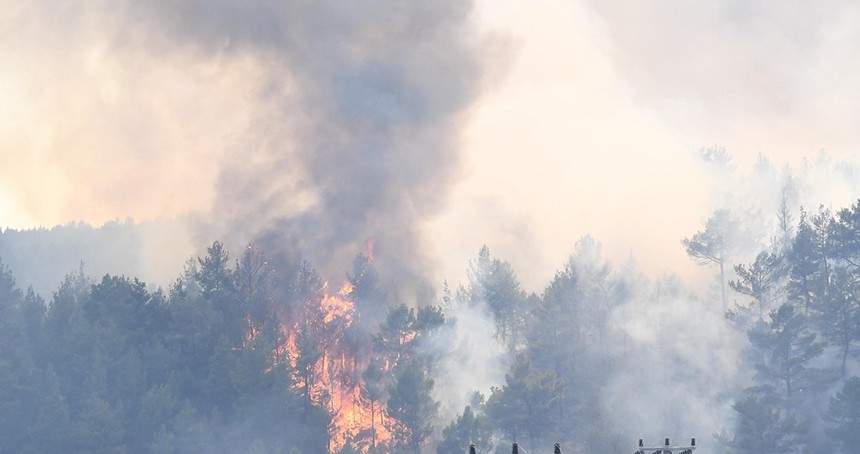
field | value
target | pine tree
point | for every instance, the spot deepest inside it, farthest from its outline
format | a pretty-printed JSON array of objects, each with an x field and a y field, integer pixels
[
  {"x": 844, "y": 415},
  {"x": 411, "y": 405},
  {"x": 786, "y": 348},
  {"x": 371, "y": 394},
  {"x": 716, "y": 244},
  {"x": 760, "y": 280},
  {"x": 845, "y": 236},
  {"x": 493, "y": 282},
  {"x": 810, "y": 275},
  {"x": 839, "y": 320},
  {"x": 468, "y": 428},
  {"x": 763, "y": 427},
  {"x": 557, "y": 341},
  {"x": 527, "y": 405}
]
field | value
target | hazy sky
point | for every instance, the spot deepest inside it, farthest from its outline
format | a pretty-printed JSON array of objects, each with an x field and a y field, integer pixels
[
  {"x": 593, "y": 127},
  {"x": 585, "y": 120}
]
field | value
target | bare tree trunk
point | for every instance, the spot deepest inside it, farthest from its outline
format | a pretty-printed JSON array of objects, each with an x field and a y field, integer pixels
[{"x": 723, "y": 285}]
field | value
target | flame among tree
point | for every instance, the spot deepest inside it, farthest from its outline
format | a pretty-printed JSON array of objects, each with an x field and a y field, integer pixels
[
  {"x": 328, "y": 372},
  {"x": 346, "y": 351}
]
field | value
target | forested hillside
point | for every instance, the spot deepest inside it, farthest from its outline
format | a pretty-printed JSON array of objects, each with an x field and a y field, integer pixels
[
  {"x": 41, "y": 257},
  {"x": 405, "y": 227},
  {"x": 253, "y": 352}
]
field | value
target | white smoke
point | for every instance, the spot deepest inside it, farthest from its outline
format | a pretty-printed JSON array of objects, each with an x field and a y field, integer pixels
[{"x": 468, "y": 360}]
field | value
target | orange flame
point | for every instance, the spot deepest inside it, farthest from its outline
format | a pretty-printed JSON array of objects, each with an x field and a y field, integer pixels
[
  {"x": 250, "y": 334},
  {"x": 368, "y": 249},
  {"x": 336, "y": 376},
  {"x": 338, "y": 305}
]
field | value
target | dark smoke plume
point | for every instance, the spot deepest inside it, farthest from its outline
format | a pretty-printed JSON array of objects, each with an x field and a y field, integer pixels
[{"x": 359, "y": 140}]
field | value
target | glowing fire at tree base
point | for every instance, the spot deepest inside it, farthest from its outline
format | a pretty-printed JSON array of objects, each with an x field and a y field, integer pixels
[{"x": 334, "y": 379}]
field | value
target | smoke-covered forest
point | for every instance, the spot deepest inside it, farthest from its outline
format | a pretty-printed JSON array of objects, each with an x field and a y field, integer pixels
[
  {"x": 252, "y": 350},
  {"x": 387, "y": 226}
]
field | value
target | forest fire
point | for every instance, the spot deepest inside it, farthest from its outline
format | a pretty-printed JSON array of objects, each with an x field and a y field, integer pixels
[
  {"x": 338, "y": 305},
  {"x": 328, "y": 372},
  {"x": 337, "y": 377}
]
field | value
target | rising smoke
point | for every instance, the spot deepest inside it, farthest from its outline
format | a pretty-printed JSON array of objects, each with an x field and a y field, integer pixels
[
  {"x": 319, "y": 125},
  {"x": 324, "y": 125},
  {"x": 361, "y": 139}
]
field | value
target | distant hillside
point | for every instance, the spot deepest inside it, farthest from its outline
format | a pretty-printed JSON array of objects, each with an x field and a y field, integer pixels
[{"x": 153, "y": 251}]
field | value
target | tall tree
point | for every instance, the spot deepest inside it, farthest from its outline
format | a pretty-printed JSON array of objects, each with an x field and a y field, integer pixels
[
  {"x": 600, "y": 290},
  {"x": 306, "y": 292},
  {"x": 839, "y": 319},
  {"x": 494, "y": 282},
  {"x": 786, "y": 348},
  {"x": 526, "y": 406},
  {"x": 715, "y": 245},
  {"x": 845, "y": 235},
  {"x": 558, "y": 340},
  {"x": 469, "y": 428},
  {"x": 254, "y": 280},
  {"x": 844, "y": 415},
  {"x": 213, "y": 274},
  {"x": 784, "y": 217},
  {"x": 372, "y": 393},
  {"x": 395, "y": 339},
  {"x": 760, "y": 280},
  {"x": 809, "y": 279},
  {"x": 371, "y": 301},
  {"x": 764, "y": 428},
  {"x": 411, "y": 404},
  {"x": 17, "y": 368}
]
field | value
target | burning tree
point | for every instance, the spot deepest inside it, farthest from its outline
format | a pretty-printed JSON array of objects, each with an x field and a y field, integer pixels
[{"x": 367, "y": 383}]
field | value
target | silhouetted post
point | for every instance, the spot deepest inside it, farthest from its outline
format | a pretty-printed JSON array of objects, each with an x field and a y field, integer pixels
[
  {"x": 471, "y": 449},
  {"x": 515, "y": 449},
  {"x": 557, "y": 449},
  {"x": 667, "y": 448}
]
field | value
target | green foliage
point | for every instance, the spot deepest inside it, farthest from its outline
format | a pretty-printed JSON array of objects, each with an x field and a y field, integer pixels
[
  {"x": 760, "y": 280},
  {"x": 396, "y": 337},
  {"x": 527, "y": 405},
  {"x": 560, "y": 340},
  {"x": 716, "y": 244},
  {"x": 124, "y": 369},
  {"x": 371, "y": 392},
  {"x": 786, "y": 347},
  {"x": 844, "y": 415},
  {"x": 369, "y": 297},
  {"x": 809, "y": 259},
  {"x": 839, "y": 319},
  {"x": 468, "y": 428},
  {"x": 213, "y": 275},
  {"x": 822, "y": 305},
  {"x": 763, "y": 428},
  {"x": 845, "y": 235},
  {"x": 112, "y": 365},
  {"x": 494, "y": 283},
  {"x": 411, "y": 405}
]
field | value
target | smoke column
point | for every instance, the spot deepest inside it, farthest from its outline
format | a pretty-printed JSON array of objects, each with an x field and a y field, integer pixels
[
  {"x": 319, "y": 125},
  {"x": 360, "y": 140}
]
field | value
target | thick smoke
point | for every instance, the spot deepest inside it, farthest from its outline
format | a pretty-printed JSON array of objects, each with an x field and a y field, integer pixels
[
  {"x": 361, "y": 142},
  {"x": 468, "y": 360},
  {"x": 681, "y": 372},
  {"x": 316, "y": 125}
]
